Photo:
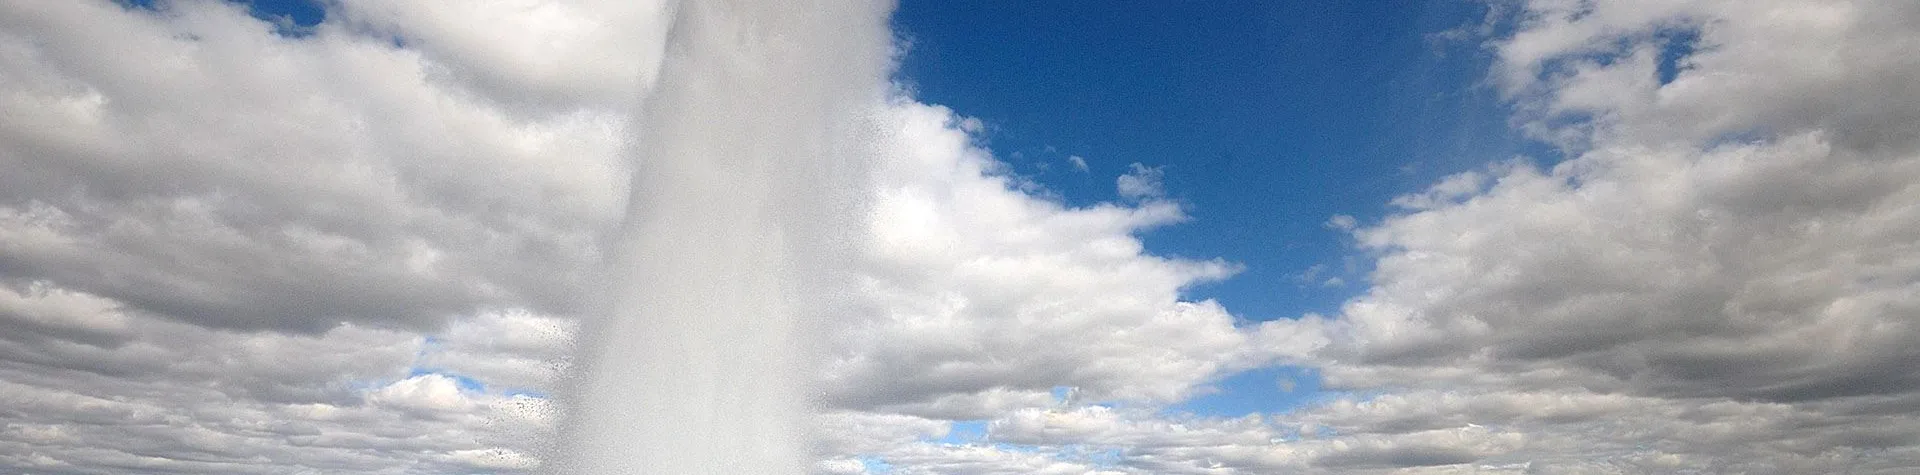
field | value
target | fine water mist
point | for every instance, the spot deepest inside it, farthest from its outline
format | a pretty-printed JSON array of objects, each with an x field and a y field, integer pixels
[{"x": 746, "y": 204}]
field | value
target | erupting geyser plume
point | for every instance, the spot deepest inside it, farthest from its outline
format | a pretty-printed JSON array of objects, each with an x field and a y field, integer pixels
[{"x": 746, "y": 202}]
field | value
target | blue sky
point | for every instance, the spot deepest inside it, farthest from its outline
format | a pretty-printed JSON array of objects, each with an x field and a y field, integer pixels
[{"x": 1268, "y": 117}]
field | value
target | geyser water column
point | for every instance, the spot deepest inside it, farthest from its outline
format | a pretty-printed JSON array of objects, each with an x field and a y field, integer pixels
[{"x": 745, "y": 205}]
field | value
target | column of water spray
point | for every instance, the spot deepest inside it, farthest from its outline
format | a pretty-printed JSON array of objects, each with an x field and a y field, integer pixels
[{"x": 746, "y": 202}]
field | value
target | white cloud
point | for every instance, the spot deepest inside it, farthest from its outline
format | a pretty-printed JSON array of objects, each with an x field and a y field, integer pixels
[
  {"x": 1079, "y": 163},
  {"x": 253, "y": 182},
  {"x": 1684, "y": 268},
  {"x": 46, "y": 311},
  {"x": 426, "y": 393},
  {"x": 1725, "y": 249},
  {"x": 919, "y": 459},
  {"x": 841, "y": 467},
  {"x": 987, "y": 298},
  {"x": 1448, "y": 191},
  {"x": 223, "y": 251},
  {"x": 176, "y": 397},
  {"x": 511, "y": 350},
  {"x": 1141, "y": 182},
  {"x": 1342, "y": 222},
  {"x": 553, "y": 56}
]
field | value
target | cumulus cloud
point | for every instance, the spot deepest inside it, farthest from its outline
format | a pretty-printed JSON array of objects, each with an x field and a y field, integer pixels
[
  {"x": 976, "y": 283},
  {"x": 1695, "y": 267},
  {"x": 186, "y": 399},
  {"x": 228, "y": 251},
  {"x": 252, "y": 181},
  {"x": 533, "y": 56},
  {"x": 1733, "y": 245},
  {"x": 511, "y": 350}
]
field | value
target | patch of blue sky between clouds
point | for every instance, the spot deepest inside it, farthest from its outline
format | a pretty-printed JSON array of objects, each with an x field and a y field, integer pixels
[
  {"x": 875, "y": 465},
  {"x": 1675, "y": 46},
  {"x": 290, "y": 18},
  {"x": 964, "y": 433},
  {"x": 1107, "y": 458},
  {"x": 1270, "y": 390}
]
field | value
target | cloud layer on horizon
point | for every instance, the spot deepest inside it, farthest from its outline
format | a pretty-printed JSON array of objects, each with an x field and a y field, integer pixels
[{"x": 223, "y": 250}]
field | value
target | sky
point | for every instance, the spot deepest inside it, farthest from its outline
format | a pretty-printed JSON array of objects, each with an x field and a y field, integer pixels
[
  {"x": 1265, "y": 118},
  {"x": 1528, "y": 236}
]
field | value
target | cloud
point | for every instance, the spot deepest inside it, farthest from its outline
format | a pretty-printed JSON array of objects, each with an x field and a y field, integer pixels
[
  {"x": 987, "y": 298},
  {"x": 841, "y": 467},
  {"x": 1342, "y": 222},
  {"x": 1079, "y": 163},
  {"x": 183, "y": 399},
  {"x": 256, "y": 182},
  {"x": 427, "y": 394},
  {"x": 512, "y": 350},
  {"x": 1141, "y": 182},
  {"x": 534, "y": 56},
  {"x": 1682, "y": 268},
  {"x": 1705, "y": 252},
  {"x": 225, "y": 251}
]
